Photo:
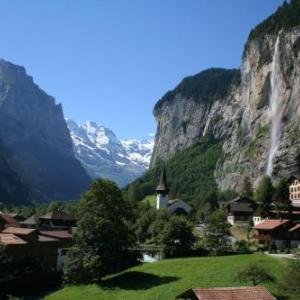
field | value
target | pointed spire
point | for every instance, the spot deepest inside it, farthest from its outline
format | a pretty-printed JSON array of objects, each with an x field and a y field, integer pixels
[{"x": 163, "y": 185}]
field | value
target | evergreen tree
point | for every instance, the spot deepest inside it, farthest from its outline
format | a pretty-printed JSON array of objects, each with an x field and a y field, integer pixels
[
  {"x": 247, "y": 188},
  {"x": 282, "y": 198},
  {"x": 103, "y": 237},
  {"x": 264, "y": 196}
]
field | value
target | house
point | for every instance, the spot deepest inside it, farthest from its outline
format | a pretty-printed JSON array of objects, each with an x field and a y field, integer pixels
[
  {"x": 294, "y": 236},
  {"x": 56, "y": 220},
  {"x": 232, "y": 293},
  {"x": 7, "y": 220},
  {"x": 174, "y": 206},
  {"x": 242, "y": 210},
  {"x": 64, "y": 240},
  {"x": 294, "y": 189},
  {"x": 274, "y": 230}
]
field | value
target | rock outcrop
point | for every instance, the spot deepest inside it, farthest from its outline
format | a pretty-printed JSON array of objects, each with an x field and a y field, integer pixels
[
  {"x": 256, "y": 117},
  {"x": 36, "y": 139}
]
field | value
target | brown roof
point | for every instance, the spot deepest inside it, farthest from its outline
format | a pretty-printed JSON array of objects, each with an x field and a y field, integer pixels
[
  {"x": 11, "y": 239},
  {"x": 57, "y": 215},
  {"x": 18, "y": 231},
  {"x": 238, "y": 293},
  {"x": 270, "y": 224},
  {"x": 58, "y": 234},
  {"x": 45, "y": 239},
  {"x": 296, "y": 227},
  {"x": 9, "y": 220},
  {"x": 33, "y": 220}
]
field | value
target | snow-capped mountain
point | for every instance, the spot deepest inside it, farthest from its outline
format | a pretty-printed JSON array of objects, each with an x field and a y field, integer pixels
[{"x": 103, "y": 155}]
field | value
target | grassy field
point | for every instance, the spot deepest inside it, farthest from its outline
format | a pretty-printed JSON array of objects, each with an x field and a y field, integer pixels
[{"x": 166, "y": 279}]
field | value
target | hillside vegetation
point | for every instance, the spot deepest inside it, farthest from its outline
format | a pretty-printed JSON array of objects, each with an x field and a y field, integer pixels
[
  {"x": 166, "y": 279},
  {"x": 190, "y": 173}
]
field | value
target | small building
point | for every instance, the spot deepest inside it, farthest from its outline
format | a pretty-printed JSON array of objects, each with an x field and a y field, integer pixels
[
  {"x": 7, "y": 220},
  {"x": 65, "y": 242},
  {"x": 294, "y": 189},
  {"x": 174, "y": 206},
  {"x": 274, "y": 230},
  {"x": 242, "y": 210},
  {"x": 232, "y": 293},
  {"x": 56, "y": 220},
  {"x": 294, "y": 235}
]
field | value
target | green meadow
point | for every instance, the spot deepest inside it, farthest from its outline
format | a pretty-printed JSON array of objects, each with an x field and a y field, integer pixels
[{"x": 165, "y": 279}]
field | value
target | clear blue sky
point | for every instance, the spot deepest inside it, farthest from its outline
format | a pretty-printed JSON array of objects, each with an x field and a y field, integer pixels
[{"x": 110, "y": 61}]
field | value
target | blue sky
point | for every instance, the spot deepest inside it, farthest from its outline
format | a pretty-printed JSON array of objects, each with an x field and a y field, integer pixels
[{"x": 110, "y": 61}]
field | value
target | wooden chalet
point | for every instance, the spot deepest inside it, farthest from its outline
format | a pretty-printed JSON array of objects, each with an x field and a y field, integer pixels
[
  {"x": 232, "y": 293},
  {"x": 240, "y": 209}
]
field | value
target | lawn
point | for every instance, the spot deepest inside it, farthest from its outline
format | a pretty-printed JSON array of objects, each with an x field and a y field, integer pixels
[{"x": 165, "y": 279}]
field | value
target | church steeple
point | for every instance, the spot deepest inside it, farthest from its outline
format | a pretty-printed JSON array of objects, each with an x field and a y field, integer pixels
[
  {"x": 163, "y": 185},
  {"x": 162, "y": 191}
]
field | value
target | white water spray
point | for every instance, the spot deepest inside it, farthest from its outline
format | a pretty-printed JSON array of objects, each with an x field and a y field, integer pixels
[{"x": 274, "y": 109}]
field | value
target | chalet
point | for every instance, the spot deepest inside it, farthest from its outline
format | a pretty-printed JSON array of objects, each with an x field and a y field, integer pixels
[
  {"x": 7, "y": 220},
  {"x": 232, "y": 293},
  {"x": 274, "y": 230},
  {"x": 242, "y": 210},
  {"x": 56, "y": 220},
  {"x": 174, "y": 206},
  {"x": 294, "y": 235}
]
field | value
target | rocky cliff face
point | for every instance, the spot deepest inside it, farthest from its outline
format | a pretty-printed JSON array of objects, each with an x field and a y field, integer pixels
[
  {"x": 103, "y": 155},
  {"x": 258, "y": 118},
  {"x": 36, "y": 138}
]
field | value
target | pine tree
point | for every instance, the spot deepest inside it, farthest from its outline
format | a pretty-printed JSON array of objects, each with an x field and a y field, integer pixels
[
  {"x": 247, "y": 189},
  {"x": 282, "y": 198},
  {"x": 264, "y": 196}
]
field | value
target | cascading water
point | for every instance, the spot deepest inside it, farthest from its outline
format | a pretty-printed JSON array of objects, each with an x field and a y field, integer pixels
[{"x": 274, "y": 109}]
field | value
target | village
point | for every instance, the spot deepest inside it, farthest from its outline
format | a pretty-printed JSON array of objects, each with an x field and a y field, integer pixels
[{"x": 48, "y": 238}]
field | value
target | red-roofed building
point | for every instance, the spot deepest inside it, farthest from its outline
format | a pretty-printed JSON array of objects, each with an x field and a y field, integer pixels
[
  {"x": 274, "y": 230},
  {"x": 27, "y": 234},
  {"x": 7, "y": 220},
  {"x": 233, "y": 293}
]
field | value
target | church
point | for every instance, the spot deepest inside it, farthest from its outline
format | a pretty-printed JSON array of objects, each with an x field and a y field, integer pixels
[{"x": 174, "y": 206}]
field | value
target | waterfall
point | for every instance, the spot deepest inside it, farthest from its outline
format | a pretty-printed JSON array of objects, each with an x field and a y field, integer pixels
[
  {"x": 274, "y": 109},
  {"x": 209, "y": 117}
]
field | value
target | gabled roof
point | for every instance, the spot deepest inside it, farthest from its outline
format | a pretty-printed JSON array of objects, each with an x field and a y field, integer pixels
[
  {"x": 33, "y": 220},
  {"x": 292, "y": 178},
  {"x": 57, "y": 215},
  {"x": 270, "y": 224},
  {"x": 46, "y": 239},
  {"x": 11, "y": 239},
  {"x": 233, "y": 293},
  {"x": 18, "y": 230},
  {"x": 9, "y": 220},
  {"x": 58, "y": 234},
  {"x": 162, "y": 185},
  {"x": 296, "y": 227}
]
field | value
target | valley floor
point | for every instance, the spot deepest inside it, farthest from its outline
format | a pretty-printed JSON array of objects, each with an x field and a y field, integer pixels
[{"x": 165, "y": 279}]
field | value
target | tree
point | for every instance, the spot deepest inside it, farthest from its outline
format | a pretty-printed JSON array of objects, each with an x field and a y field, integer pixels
[
  {"x": 177, "y": 237},
  {"x": 103, "y": 238},
  {"x": 247, "y": 188},
  {"x": 264, "y": 196},
  {"x": 256, "y": 273},
  {"x": 282, "y": 198},
  {"x": 291, "y": 283},
  {"x": 217, "y": 232}
]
